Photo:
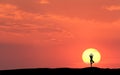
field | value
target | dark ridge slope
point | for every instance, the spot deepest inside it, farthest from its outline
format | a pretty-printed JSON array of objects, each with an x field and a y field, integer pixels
[{"x": 62, "y": 71}]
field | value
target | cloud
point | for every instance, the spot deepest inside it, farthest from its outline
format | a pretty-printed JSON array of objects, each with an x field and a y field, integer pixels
[
  {"x": 44, "y": 2},
  {"x": 73, "y": 8},
  {"x": 113, "y": 8},
  {"x": 15, "y": 22},
  {"x": 17, "y": 18},
  {"x": 32, "y": 6},
  {"x": 64, "y": 22},
  {"x": 85, "y": 9}
]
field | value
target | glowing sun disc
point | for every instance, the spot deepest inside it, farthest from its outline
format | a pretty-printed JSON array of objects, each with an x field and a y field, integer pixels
[{"x": 87, "y": 52}]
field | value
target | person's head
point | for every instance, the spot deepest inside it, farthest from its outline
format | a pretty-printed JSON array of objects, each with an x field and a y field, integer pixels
[{"x": 91, "y": 54}]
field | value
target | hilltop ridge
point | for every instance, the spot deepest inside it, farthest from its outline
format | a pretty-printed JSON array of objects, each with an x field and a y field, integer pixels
[{"x": 62, "y": 71}]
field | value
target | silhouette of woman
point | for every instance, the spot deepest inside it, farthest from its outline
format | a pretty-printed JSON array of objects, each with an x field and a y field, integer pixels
[{"x": 91, "y": 59}]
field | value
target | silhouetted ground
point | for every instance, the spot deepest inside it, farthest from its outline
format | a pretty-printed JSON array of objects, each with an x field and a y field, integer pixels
[{"x": 62, "y": 71}]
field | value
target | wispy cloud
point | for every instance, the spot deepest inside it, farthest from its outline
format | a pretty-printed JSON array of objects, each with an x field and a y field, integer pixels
[
  {"x": 15, "y": 20},
  {"x": 19, "y": 21},
  {"x": 113, "y": 8},
  {"x": 44, "y": 2}
]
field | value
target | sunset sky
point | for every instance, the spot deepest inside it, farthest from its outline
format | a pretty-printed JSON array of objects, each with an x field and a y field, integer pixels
[{"x": 54, "y": 33}]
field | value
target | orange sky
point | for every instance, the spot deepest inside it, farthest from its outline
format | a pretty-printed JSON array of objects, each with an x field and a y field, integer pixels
[{"x": 54, "y": 33}]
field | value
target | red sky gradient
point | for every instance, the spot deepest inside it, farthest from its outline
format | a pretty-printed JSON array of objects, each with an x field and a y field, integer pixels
[{"x": 54, "y": 33}]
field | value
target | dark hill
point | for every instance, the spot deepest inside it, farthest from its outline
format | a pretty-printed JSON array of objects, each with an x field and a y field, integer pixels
[{"x": 62, "y": 71}]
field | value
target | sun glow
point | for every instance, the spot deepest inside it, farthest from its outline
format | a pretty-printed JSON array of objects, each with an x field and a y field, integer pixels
[{"x": 87, "y": 52}]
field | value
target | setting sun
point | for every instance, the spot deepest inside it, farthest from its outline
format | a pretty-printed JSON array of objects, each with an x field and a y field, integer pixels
[{"x": 87, "y": 52}]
